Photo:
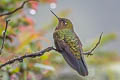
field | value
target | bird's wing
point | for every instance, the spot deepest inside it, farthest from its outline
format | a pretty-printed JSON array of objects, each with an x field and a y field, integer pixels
[{"x": 77, "y": 64}]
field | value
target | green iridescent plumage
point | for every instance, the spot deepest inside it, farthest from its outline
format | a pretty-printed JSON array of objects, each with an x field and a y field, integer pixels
[
  {"x": 69, "y": 45},
  {"x": 70, "y": 39}
]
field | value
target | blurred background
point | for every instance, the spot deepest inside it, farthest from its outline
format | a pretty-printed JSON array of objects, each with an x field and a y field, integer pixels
[{"x": 31, "y": 29}]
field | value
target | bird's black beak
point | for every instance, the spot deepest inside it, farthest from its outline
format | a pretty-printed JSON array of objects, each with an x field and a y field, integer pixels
[{"x": 55, "y": 15}]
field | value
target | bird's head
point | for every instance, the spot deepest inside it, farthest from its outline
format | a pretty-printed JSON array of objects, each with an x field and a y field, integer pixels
[{"x": 63, "y": 23}]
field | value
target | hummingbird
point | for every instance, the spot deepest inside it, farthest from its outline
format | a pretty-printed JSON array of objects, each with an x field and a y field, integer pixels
[{"x": 69, "y": 45}]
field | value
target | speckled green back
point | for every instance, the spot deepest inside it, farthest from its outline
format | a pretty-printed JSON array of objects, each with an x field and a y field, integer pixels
[{"x": 70, "y": 39}]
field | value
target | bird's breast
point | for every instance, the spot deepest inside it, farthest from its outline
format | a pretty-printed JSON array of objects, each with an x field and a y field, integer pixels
[{"x": 70, "y": 39}]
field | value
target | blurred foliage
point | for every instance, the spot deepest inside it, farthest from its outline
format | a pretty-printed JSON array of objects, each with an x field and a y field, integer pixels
[{"x": 23, "y": 38}]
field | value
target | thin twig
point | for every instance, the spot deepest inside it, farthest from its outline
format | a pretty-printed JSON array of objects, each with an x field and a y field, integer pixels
[
  {"x": 32, "y": 55},
  {"x": 4, "y": 36},
  {"x": 9, "y": 13},
  {"x": 89, "y": 52}
]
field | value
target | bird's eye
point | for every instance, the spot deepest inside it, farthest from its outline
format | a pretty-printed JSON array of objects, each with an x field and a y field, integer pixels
[{"x": 65, "y": 23}]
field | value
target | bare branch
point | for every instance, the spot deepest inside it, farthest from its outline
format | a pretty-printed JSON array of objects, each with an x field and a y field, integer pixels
[
  {"x": 21, "y": 58},
  {"x": 4, "y": 36},
  {"x": 90, "y": 52},
  {"x": 9, "y": 13}
]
